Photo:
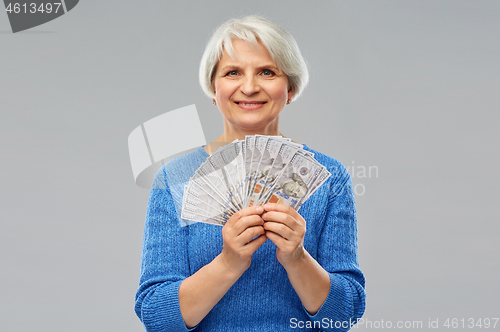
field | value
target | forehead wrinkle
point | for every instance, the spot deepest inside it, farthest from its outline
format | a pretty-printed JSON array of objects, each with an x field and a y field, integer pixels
[
  {"x": 265, "y": 66},
  {"x": 232, "y": 61},
  {"x": 250, "y": 39},
  {"x": 256, "y": 44}
]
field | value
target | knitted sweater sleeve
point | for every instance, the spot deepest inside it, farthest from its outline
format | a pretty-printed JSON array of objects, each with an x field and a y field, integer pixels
[
  {"x": 338, "y": 256},
  {"x": 164, "y": 263}
]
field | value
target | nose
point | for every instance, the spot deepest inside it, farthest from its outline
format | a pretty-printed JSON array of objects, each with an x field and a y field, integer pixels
[{"x": 250, "y": 85}]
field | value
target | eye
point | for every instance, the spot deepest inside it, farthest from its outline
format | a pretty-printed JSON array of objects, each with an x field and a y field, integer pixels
[
  {"x": 267, "y": 72},
  {"x": 232, "y": 73}
]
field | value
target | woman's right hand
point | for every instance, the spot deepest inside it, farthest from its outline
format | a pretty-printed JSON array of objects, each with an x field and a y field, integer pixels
[
  {"x": 237, "y": 234},
  {"x": 212, "y": 281}
]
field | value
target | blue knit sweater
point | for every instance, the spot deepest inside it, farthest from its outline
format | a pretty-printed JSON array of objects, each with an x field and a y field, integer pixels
[{"x": 263, "y": 298}]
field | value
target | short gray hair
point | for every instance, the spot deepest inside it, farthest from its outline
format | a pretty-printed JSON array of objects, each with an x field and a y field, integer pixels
[{"x": 279, "y": 43}]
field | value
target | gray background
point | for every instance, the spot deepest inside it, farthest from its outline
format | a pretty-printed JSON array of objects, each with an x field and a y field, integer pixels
[{"x": 410, "y": 87}]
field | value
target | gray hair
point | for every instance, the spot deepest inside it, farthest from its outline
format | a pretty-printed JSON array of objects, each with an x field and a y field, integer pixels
[{"x": 279, "y": 43}]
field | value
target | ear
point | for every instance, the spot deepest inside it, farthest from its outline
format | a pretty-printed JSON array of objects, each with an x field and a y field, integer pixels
[{"x": 291, "y": 93}]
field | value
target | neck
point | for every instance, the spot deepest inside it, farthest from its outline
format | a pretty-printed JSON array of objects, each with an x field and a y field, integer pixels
[{"x": 231, "y": 132}]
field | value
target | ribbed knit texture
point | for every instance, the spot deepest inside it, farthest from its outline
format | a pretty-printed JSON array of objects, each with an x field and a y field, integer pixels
[{"x": 263, "y": 298}]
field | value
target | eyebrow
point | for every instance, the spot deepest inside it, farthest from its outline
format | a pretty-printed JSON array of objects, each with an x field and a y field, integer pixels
[{"x": 269, "y": 66}]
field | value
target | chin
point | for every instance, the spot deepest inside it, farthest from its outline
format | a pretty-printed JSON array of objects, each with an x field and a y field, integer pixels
[
  {"x": 253, "y": 126},
  {"x": 250, "y": 122}
]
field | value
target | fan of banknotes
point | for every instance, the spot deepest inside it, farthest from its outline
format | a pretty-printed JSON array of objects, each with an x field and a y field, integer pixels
[{"x": 250, "y": 172}]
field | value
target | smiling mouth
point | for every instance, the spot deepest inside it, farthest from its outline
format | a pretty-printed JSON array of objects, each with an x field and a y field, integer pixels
[{"x": 251, "y": 103}]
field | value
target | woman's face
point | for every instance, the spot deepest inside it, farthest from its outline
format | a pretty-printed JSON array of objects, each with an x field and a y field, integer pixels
[{"x": 250, "y": 90}]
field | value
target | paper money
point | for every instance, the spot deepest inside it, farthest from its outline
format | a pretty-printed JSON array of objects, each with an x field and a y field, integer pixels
[
  {"x": 253, "y": 171},
  {"x": 268, "y": 156},
  {"x": 292, "y": 182}
]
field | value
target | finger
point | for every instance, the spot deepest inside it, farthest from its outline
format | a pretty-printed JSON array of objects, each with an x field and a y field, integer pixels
[
  {"x": 280, "y": 208},
  {"x": 255, "y": 244},
  {"x": 280, "y": 229},
  {"x": 277, "y": 239},
  {"x": 248, "y": 234},
  {"x": 236, "y": 235},
  {"x": 281, "y": 217},
  {"x": 252, "y": 210},
  {"x": 246, "y": 222}
]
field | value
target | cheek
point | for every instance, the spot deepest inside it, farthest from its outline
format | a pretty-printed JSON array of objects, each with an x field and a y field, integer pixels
[
  {"x": 223, "y": 91},
  {"x": 280, "y": 91}
]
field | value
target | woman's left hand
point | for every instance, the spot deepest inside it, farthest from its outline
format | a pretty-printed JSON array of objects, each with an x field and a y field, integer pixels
[{"x": 286, "y": 228}]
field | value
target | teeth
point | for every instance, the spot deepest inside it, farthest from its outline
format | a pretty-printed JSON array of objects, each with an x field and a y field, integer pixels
[{"x": 251, "y": 104}]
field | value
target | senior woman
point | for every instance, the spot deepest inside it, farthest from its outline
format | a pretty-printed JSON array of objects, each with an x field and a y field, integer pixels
[{"x": 269, "y": 268}]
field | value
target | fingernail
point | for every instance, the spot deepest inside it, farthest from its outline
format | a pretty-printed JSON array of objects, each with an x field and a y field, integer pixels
[{"x": 259, "y": 209}]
